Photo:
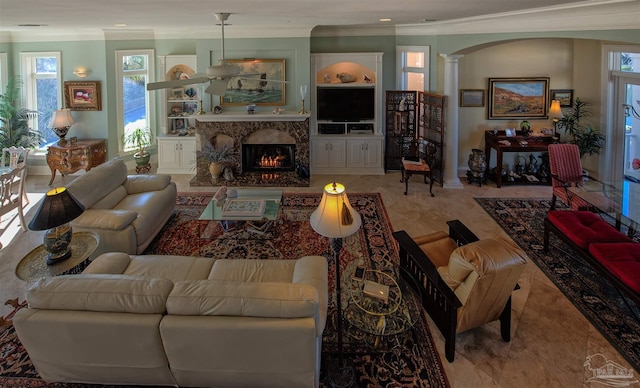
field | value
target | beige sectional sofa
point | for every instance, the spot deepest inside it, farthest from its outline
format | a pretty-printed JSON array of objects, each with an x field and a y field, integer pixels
[
  {"x": 181, "y": 321},
  {"x": 127, "y": 211}
]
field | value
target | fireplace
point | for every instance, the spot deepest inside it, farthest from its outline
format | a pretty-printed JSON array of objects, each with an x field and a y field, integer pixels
[{"x": 268, "y": 157}]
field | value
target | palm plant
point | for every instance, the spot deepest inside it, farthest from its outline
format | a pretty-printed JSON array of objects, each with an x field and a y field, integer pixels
[
  {"x": 14, "y": 130},
  {"x": 588, "y": 138}
]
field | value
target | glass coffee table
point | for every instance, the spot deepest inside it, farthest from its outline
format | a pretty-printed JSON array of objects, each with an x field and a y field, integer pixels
[
  {"x": 255, "y": 225},
  {"x": 381, "y": 317}
]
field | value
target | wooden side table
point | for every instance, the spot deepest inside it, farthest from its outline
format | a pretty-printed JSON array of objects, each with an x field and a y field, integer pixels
[
  {"x": 34, "y": 265},
  {"x": 74, "y": 156}
]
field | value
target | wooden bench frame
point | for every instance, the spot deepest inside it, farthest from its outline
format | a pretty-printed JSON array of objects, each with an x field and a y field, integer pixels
[
  {"x": 599, "y": 267},
  {"x": 440, "y": 302}
]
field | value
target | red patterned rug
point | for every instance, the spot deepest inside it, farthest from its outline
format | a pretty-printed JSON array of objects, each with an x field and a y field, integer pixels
[{"x": 408, "y": 360}]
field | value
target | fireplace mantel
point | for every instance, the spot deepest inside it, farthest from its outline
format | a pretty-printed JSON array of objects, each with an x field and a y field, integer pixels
[
  {"x": 286, "y": 127},
  {"x": 261, "y": 116}
]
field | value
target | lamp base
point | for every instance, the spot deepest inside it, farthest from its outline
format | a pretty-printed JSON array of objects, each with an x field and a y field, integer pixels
[
  {"x": 340, "y": 374},
  {"x": 56, "y": 242}
]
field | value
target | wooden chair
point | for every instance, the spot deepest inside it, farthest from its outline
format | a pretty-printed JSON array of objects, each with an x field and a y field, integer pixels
[
  {"x": 465, "y": 282},
  {"x": 9, "y": 198},
  {"x": 16, "y": 157}
]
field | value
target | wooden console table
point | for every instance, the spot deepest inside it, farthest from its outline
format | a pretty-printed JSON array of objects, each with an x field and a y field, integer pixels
[
  {"x": 71, "y": 157},
  {"x": 534, "y": 144}
]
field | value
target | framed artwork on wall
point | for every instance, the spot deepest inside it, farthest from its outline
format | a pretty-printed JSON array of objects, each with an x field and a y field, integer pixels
[
  {"x": 565, "y": 96},
  {"x": 518, "y": 98},
  {"x": 471, "y": 97},
  {"x": 253, "y": 85},
  {"x": 82, "y": 95}
]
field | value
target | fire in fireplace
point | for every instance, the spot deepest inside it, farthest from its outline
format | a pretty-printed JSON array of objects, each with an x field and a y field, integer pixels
[{"x": 268, "y": 157}]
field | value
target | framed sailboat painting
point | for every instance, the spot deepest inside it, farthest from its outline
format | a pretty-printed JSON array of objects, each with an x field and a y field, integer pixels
[{"x": 255, "y": 83}]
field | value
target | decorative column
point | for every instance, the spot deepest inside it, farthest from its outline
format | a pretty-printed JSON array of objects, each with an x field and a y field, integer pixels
[{"x": 451, "y": 179}]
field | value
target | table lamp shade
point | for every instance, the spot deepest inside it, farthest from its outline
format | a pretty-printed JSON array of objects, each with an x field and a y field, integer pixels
[
  {"x": 58, "y": 207},
  {"x": 335, "y": 217},
  {"x": 555, "y": 111}
]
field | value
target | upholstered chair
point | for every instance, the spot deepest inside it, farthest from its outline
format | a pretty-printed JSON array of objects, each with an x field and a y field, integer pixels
[{"x": 464, "y": 286}]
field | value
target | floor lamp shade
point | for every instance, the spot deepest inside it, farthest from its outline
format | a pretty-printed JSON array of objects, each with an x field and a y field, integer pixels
[
  {"x": 57, "y": 209},
  {"x": 335, "y": 217}
]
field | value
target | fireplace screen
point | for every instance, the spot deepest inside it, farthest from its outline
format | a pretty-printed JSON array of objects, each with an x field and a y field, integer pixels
[{"x": 268, "y": 157}]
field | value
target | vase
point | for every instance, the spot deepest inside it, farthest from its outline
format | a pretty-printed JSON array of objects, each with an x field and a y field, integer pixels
[
  {"x": 215, "y": 169},
  {"x": 477, "y": 163}
]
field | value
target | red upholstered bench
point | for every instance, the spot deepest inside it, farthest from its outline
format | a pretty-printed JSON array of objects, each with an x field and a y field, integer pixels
[
  {"x": 622, "y": 260},
  {"x": 609, "y": 251}
]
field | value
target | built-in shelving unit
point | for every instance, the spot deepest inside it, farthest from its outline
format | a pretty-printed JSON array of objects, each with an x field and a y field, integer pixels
[
  {"x": 179, "y": 109},
  {"x": 342, "y": 144}
]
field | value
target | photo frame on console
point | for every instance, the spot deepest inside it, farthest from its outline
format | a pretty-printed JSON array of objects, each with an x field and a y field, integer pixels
[
  {"x": 248, "y": 88},
  {"x": 518, "y": 98}
]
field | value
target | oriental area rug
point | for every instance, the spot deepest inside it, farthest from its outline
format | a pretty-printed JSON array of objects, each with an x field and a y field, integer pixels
[
  {"x": 613, "y": 314},
  {"x": 406, "y": 360}
]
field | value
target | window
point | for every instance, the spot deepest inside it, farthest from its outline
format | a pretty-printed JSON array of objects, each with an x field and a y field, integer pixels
[
  {"x": 42, "y": 89},
  {"x": 3, "y": 72},
  {"x": 135, "y": 106},
  {"x": 413, "y": 67}
]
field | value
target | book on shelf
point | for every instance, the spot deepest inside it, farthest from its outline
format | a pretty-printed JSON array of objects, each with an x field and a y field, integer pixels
[{"x": 237, "y": 207}]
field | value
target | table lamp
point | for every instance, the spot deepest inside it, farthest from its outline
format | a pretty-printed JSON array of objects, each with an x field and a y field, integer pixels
[
  {"x": 57, "y": 209},
  {"x": 555, "y": 114},
  {"x": 335, "y": 218},
  {"x": 61, "y": 121}
]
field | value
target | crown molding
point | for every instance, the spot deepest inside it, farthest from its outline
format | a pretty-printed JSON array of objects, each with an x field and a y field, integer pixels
[
  {"x": 51, "y": 36},
  {"x": 594, "y": 15},
  {"x": 337, "y": 31}
]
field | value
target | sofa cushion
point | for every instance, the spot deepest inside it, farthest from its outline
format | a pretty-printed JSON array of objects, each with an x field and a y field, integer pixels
[
  {"x": 106, "y": 219},
  {"x": 584, "y": 227},
  {"x": 174, "y": 268},
  {"x": 111, "y": 199},
  {"x": 102, "y": 293},
  {"x": 621, "y": 259},
  {"x": 253, "y": 270},
  {"x": 113, "y": 263},
  {"x": 148, "y": 206},
  {"x": 141, "y": 183},
  {"x": 272, "y": 300},
  {"x": 96, "y": 183}
]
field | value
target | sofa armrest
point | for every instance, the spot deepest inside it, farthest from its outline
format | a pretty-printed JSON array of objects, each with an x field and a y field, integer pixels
[
  {"x": 105, "y": 219},
  {"x": 142, "y": 183}
]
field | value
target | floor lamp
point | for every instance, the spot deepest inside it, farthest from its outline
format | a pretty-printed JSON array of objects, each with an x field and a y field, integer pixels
[{"x": 335, "y": 218}]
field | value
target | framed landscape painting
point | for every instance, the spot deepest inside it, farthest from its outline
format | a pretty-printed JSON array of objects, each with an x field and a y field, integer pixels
[
  {"x": 254, "y": 84},
  {"x": 471, "y": 97},
  {"x": 565, "y": 96},
  {"x": 518, "y": 98}
]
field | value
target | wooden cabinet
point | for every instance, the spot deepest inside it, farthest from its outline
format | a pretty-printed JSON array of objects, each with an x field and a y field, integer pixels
[
  {"x": 400, "y": 126},
  {"x": 79, "y": 155},
  {"x": 347, "y": 155},
  {"x": 431, "y": 125},
  {"x": 176, "y": 154}
]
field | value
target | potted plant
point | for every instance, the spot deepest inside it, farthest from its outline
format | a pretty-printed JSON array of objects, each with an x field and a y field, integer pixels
[
  {"x": 215, "y": 156},
  {"x": 588, "y": 139},
  {"x": 15, "y": 129},
  {"x": 139, "y": 138}
]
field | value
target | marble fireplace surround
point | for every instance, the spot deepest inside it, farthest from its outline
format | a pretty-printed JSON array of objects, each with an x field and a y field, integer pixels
[{"x": 259, "y": 128}]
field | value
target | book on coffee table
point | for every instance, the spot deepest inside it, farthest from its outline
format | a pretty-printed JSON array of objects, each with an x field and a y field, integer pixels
[{"x": 237, "y": 207}]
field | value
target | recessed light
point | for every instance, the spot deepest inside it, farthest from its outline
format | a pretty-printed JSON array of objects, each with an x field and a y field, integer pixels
[
  {"x": 385, "y": 19},
  {"x": 120, "y": 25}
]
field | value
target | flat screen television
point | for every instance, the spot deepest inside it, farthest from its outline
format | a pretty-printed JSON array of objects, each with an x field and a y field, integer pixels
[{"x": 346, "y": 103}]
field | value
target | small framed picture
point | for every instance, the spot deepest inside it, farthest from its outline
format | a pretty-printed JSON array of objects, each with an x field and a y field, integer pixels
[
  {"x": 565, "y": 96},
  {"x": 177, "y": 93},
  {"x": 82, "y": 95},
  {"x": 472, "y": 97},
  {"x": 190, "y": 107},
  {"x": 179, "y": 125},
  {"x": 510, "y": 132}
]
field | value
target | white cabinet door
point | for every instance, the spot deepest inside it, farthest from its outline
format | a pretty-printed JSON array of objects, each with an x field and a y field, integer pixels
[
  {"x": 364, "y": 153},
  {"x": 328, "y": 153},
  {"x": 176, "y": 155}
]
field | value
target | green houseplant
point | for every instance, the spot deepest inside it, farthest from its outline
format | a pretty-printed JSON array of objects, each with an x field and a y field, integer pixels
[
  {"x": 140, "y": 139},
  {"x": 588, "y": 139},
  {"x": 215, "y": 156},
  {"x": 14, "y": 130}
]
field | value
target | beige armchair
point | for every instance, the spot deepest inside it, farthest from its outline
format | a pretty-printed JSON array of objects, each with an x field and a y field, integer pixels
[{"x": 466, "y": 282}]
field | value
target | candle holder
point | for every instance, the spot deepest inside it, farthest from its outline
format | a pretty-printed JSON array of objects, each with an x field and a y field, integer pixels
[{"x": 303, "y": 94}]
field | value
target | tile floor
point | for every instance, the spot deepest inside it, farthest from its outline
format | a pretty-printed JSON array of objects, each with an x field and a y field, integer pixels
[{"x": 550, "y": 338}]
